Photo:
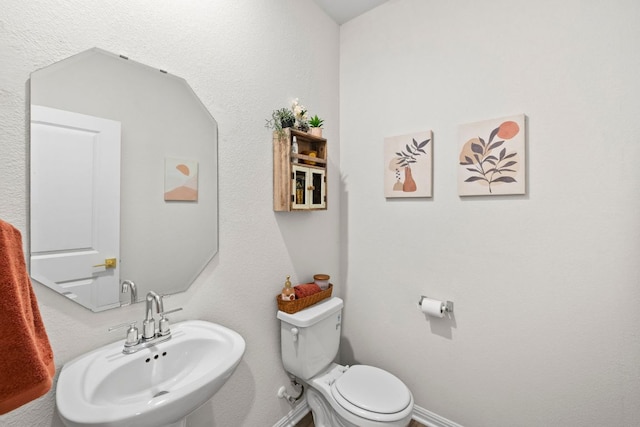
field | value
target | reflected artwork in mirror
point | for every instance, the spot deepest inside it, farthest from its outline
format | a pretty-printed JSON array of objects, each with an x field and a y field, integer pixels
[{"x": 103, "y": 131}]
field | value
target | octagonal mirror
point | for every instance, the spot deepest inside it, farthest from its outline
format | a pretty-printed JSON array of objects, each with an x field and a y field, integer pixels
[{"x": 124, "y": 181}]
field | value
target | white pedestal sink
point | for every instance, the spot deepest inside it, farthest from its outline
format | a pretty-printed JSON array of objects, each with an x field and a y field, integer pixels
[{"x": 156, "y": 386}]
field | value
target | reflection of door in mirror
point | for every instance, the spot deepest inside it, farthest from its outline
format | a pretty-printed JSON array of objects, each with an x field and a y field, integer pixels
[
  {"x": 164, "y": 245},
  {"x": 75, "y": 205}
]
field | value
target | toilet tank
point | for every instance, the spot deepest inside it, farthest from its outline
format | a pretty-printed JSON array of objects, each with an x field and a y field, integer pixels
[{"x": 310, "y": 338}]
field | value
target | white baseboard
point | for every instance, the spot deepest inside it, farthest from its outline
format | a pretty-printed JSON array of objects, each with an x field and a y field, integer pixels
[
  {"x": 430, "y": 419},
  {"x": 295, "y": 415},
  {"x": 421, "y": 415}
]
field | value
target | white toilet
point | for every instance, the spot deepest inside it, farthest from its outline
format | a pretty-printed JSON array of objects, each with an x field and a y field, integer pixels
[{"x": 357, "y": 396}]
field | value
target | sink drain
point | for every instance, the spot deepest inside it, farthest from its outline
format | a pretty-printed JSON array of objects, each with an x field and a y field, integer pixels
[{"x": 160, "y": 393}]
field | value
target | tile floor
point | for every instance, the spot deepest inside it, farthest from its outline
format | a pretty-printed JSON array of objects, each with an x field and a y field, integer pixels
[{"x": 307, "y": 421}]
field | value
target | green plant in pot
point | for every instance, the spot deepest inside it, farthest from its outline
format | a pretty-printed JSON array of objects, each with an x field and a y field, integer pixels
[
  {"x": 281, "y": 119},
  {"x": 316, "y": 122},
  {"x": 316, "y": 125}
]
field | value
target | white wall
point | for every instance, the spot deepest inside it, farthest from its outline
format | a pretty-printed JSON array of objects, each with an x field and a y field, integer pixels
[
  {"x": 244, "y": 59},
  {"x": 545, "y": 286}
]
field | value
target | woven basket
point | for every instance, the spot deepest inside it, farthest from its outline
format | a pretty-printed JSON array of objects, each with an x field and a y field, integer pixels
[{"x": 299, "y": 304}]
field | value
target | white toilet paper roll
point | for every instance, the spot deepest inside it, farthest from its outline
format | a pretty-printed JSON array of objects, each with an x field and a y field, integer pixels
[{"x": 432, "y": 307}]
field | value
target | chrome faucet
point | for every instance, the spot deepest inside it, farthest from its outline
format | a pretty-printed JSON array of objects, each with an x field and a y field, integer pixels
[
  {"x": 128, "y": 284},
  {"x": 150, "y": 336},
  {"x": 149, "y": 324}
]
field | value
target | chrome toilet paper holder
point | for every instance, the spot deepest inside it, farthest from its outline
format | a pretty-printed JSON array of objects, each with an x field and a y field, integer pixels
[{"x": 447, "y": 306}]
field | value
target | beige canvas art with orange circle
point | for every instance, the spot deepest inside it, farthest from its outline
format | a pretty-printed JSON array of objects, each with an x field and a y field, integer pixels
[
  {"x": 180, "y": 180},
  {"x": 492, "y": 157}
]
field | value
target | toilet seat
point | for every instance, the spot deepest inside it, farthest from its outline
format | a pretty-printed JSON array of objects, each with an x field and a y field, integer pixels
[{"x": 371, "y": 393}]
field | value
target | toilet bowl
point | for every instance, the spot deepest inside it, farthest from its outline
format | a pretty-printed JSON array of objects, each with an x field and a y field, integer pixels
[
  {"x": 339, "y": 396},
  {"x": 359, "y": 396}
]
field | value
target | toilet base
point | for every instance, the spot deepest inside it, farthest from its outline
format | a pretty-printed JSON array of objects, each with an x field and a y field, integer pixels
[{"x": 323, "y": 415}]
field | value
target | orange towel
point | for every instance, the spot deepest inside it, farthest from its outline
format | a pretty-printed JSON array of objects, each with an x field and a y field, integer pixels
[
  {"x": 306, "y": 290},
  {"x": 26, "y": 358}
]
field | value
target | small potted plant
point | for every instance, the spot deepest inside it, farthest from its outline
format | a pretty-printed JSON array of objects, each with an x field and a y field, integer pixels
[
  {"x": 315, "y": 123},
  {"x": 281, "y": 119}
]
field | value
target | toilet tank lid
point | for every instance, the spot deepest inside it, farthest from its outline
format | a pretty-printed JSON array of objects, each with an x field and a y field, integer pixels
[{"x": 313, "y": 314}]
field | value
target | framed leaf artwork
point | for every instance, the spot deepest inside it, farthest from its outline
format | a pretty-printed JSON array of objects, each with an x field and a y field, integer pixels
[
  {"x": 408, "y": 165},
  {"x": 492, "y": 157}
]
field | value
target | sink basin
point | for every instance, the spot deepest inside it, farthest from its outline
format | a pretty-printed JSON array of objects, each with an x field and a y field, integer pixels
[{"x": 156, "y": 386}]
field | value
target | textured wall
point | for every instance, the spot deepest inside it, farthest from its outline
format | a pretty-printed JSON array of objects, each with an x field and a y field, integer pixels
[
  {"x": 243, "y": 58},
  {"x": 545, "y": 286},
  {"x": 569, "y": 247}
]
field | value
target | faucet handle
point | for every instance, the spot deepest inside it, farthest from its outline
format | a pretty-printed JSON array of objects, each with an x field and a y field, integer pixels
[
  {"x": 122, "y": 325},
  {"x": 132, "y": 332},
  {"x": 164, "y": 313},
  {"x": 163, "y": 325}
]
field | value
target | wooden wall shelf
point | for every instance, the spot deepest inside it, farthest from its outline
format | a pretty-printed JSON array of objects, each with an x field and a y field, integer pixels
[{"x": 299, "y": 180}]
